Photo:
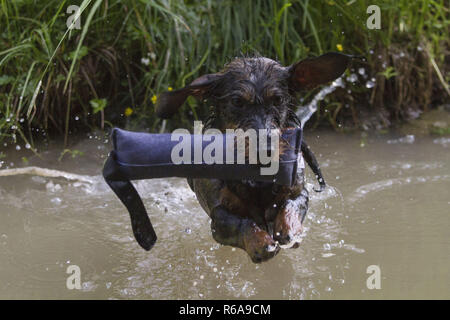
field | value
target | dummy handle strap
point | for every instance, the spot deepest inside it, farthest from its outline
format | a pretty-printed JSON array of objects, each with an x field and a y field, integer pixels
[{"x": 142, "y": 227}]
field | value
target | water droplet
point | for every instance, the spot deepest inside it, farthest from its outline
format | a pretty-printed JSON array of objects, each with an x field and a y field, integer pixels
[
  {"x": 27, "y": 146},
  {"x": 17, "y": 147},
  {"x": 338, "y": 83},
  {"x": 57, "y": 201},
  {"x": 370, "y": 84},
  {"x": 352, "y": 78}
]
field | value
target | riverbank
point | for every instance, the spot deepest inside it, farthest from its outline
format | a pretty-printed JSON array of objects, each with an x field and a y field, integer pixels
[
  {"x": 92, "y": 148},
  {"x": 110, "y": 71}
]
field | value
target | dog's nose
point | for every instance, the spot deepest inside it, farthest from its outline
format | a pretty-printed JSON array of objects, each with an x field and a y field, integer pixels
[{"x": 284, "y": 239}]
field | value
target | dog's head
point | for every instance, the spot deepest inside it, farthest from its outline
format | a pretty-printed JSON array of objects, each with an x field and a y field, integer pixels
[{"x": 256, "y": 93}]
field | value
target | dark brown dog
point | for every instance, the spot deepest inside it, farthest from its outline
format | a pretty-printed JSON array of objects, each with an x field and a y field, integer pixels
[{"x": 256, "y": 93}]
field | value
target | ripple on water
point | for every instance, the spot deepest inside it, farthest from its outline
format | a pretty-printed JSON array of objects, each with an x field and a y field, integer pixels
[
  {"x": 361, "y": 192},
  {"x": 183, "y": 264}
]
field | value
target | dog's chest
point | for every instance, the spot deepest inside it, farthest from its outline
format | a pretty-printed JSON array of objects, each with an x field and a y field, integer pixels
[{"x": 254, "y": 194}]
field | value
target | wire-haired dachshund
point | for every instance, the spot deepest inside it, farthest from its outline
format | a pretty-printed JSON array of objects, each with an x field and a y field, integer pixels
[{"x": 257, "y": 93}]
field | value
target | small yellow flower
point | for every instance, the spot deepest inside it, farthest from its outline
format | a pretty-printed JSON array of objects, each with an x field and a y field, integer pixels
[
  {"x": 339, "y": 47},
  {"x": 154, "y": 99},
  {"x": 169, "y": 89},
  {"x": 128, "y": 112}
]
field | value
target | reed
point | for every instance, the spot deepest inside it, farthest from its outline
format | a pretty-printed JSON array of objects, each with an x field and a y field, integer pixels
[{"x": 55, "y": 82}]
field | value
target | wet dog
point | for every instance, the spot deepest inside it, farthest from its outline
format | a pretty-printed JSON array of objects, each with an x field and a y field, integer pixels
[{"x": 257, "y": 93}]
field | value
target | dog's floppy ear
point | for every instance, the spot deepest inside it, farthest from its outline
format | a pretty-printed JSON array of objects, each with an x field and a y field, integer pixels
[
  {"x": 312, "y": 72},
  {"x": 168, "y": 103}
]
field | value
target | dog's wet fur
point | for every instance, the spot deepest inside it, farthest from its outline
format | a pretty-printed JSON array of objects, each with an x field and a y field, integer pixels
[{"x": 256, "y": 93}]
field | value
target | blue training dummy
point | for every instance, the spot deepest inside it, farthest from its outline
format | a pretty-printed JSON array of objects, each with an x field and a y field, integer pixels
[{"x": 138, "y": 156}]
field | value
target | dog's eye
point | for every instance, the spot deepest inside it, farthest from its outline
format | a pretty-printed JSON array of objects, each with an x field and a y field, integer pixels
[{"x": 237, "y": 102}]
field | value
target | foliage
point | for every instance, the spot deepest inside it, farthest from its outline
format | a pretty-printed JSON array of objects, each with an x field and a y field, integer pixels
[{"x": 127, "y": 51}]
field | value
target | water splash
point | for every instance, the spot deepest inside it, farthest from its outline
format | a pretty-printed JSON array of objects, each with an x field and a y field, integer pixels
[
  {"x": 445, "y": 142},
  {"x": 305, "y": 112},
  {"x": 408, "y": 139},
  {"x": 44, "y": 172},
  {"x": 371, "y": 83},
  {"x": 352, "y": 78},
  {"x": 361, "y": 192}
]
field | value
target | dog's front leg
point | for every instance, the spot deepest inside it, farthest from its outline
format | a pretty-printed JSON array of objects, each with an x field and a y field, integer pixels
[
  {"x": 233, "y": 230},
  {"x": 231, "y": 226},
  {"x": 288, "y": 224}
]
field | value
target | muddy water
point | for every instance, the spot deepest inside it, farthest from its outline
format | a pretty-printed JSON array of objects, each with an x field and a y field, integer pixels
[{"x": 387, "y": 204}]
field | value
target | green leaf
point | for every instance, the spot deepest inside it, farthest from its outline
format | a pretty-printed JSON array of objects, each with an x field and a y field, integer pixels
[
  {"x": 81, "y": 53},
  {"x": 4, "y": 80},
  {"x": 388, "y": 73},
  {"x": 82, "y": 36},
  {"x": 98, "y": 105},
  {"x": 60, "y": 77}
]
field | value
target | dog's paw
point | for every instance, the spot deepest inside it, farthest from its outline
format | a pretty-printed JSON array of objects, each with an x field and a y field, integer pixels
[
  {"x": 288, "y": 228},
  {"x": 259, "y": 245}
]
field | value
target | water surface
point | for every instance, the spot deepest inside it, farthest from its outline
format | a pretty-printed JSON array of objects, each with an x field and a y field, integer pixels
[{"x": 387, "y": 204}]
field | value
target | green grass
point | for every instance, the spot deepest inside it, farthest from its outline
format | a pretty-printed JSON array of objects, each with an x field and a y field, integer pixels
[{"x": 61, "y": 81}]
